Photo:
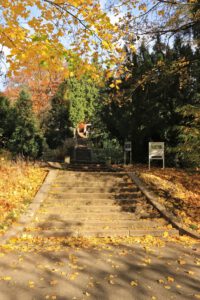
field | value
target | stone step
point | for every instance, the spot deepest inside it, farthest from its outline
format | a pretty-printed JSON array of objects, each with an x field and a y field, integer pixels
[
  {"x": 50, "y": 201},
  {"x": 100, "y": 208},
  {"x": 105, "y": 233},
  {"x": 94, "y": 184},
  {"x": 84, "y": 216},
  {"x": 87, "y": 168},
  {"x": 69, "y": 195},
  {"x": 93, "y": 190},
  {"x": 92, "y": 175},
  {"x": 131, "y": 224}
]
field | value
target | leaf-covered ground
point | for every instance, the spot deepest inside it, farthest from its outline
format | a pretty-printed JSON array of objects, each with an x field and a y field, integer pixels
[
  {"x": 95, "y": 268},
  {"x": 19, "y": 183},
  {"x": 36, "y": 267},
  {"x": 178, "y": 191}
]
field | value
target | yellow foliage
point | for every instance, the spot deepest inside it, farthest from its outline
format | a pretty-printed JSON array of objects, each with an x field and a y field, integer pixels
[
  {"x": 19, "y": 183},
  {"x": 49, "y": 32},
  {"x": 178, "y": 191}
]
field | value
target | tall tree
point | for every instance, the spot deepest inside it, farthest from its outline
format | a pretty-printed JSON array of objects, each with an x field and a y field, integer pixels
[
  {"x": 7, "y": 122},
  {"x": 26, "y": 139},
  {"x": 57, "y": 124},
  {"x": 82, "y": 94},
  {"x": 157, "y": 85}
]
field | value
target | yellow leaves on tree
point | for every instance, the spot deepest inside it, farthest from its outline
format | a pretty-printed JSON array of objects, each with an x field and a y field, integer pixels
[{"x": 38, "y": 32}]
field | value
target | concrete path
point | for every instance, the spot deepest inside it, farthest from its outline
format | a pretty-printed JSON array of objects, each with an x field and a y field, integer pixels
[{"x": 64, "y": 270}]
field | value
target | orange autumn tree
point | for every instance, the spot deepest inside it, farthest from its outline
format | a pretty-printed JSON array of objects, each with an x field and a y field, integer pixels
[
  {"x": 41, "y": 85},
  {"x": 43, "y": 82}
]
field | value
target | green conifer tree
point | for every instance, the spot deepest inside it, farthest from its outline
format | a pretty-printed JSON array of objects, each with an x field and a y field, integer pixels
[
  {"x": 7, "y": 123},
  {"x": 57, "y": 122},
  {"x": 26, "y": 139}
]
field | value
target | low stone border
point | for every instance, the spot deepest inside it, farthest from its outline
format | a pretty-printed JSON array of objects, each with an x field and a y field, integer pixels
[
  {"x": 153, "y": 198},
  {"x": 15, "y": 229}
]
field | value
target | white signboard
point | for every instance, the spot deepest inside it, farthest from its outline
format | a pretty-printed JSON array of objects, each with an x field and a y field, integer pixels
[
  {"x": 156, "y": 151},
  {"x": 127, "y": 146}
]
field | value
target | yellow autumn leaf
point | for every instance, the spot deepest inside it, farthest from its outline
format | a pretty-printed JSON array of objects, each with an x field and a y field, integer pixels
[
  {"x": 133, "y": 283},
  {"x": 86, "y": 294},
  {"x": 31, "y": 284},
  {"x": 73, "y": 276},
  {"x": 160, "y": 280},
  {"x": 53, "y": 282},
  {"x": 190, "y": 272},
  {"x": 181, "y": 262},
  {"x": 167, "y": 287},
  {"x": 147, "y": 260},
  {"x": 165, "y": 234},
  {"x": 170, "y": 279},
  {"x": 112, "y": 85},
  {"x": 7, "y": 278},
  {"x": 132, "y": 47},
  {"x": 118, "y": 81},
  {"x": 161, "y": 12}
]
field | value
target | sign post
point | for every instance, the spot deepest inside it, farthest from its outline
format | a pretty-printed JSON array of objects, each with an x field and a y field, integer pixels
[
  {"x": 127, "y": 150},
  {"x": 156, "y": 152}
]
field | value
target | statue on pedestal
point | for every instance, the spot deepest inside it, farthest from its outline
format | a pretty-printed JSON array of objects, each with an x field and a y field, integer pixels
[{"x": 82, "y": 130}]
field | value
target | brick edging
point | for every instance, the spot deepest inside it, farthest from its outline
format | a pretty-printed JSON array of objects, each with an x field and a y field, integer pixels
[
  {"x": 15, "y": 229},
  {"x": 153, "y": 198}
]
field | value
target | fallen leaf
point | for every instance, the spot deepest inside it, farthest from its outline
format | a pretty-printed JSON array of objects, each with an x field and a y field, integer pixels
[
  {"x": 31, "y": 284},
  {"x": 160, "y": 280},
  {"x": 190, "y": 272},
  {"x": 181, "y": 262},
  {"x": 53, "y": 282},
  {"x": 86, "y": 294},
  {"x": 73, "y": 276},
  {"x": 7, "y": 278},
  {"x": 133, "y": 283},
  {"x": 111, "y": 281},
  {"x": 165, "y": 234},
  {"x": 147, "y": 260},
  {"x": 167, "y": 287},
  {"x": 170, "y": 279}
]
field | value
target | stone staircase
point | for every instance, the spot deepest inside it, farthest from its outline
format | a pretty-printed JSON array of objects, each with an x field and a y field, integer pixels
[{"x": 97, "y": 204}]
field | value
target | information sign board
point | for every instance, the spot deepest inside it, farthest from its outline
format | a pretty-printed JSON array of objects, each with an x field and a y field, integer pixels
[
  {"x": 127, "y": 146},
  {"x": 156, "y": 151},
  {"x": 127, "y": 152}
]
